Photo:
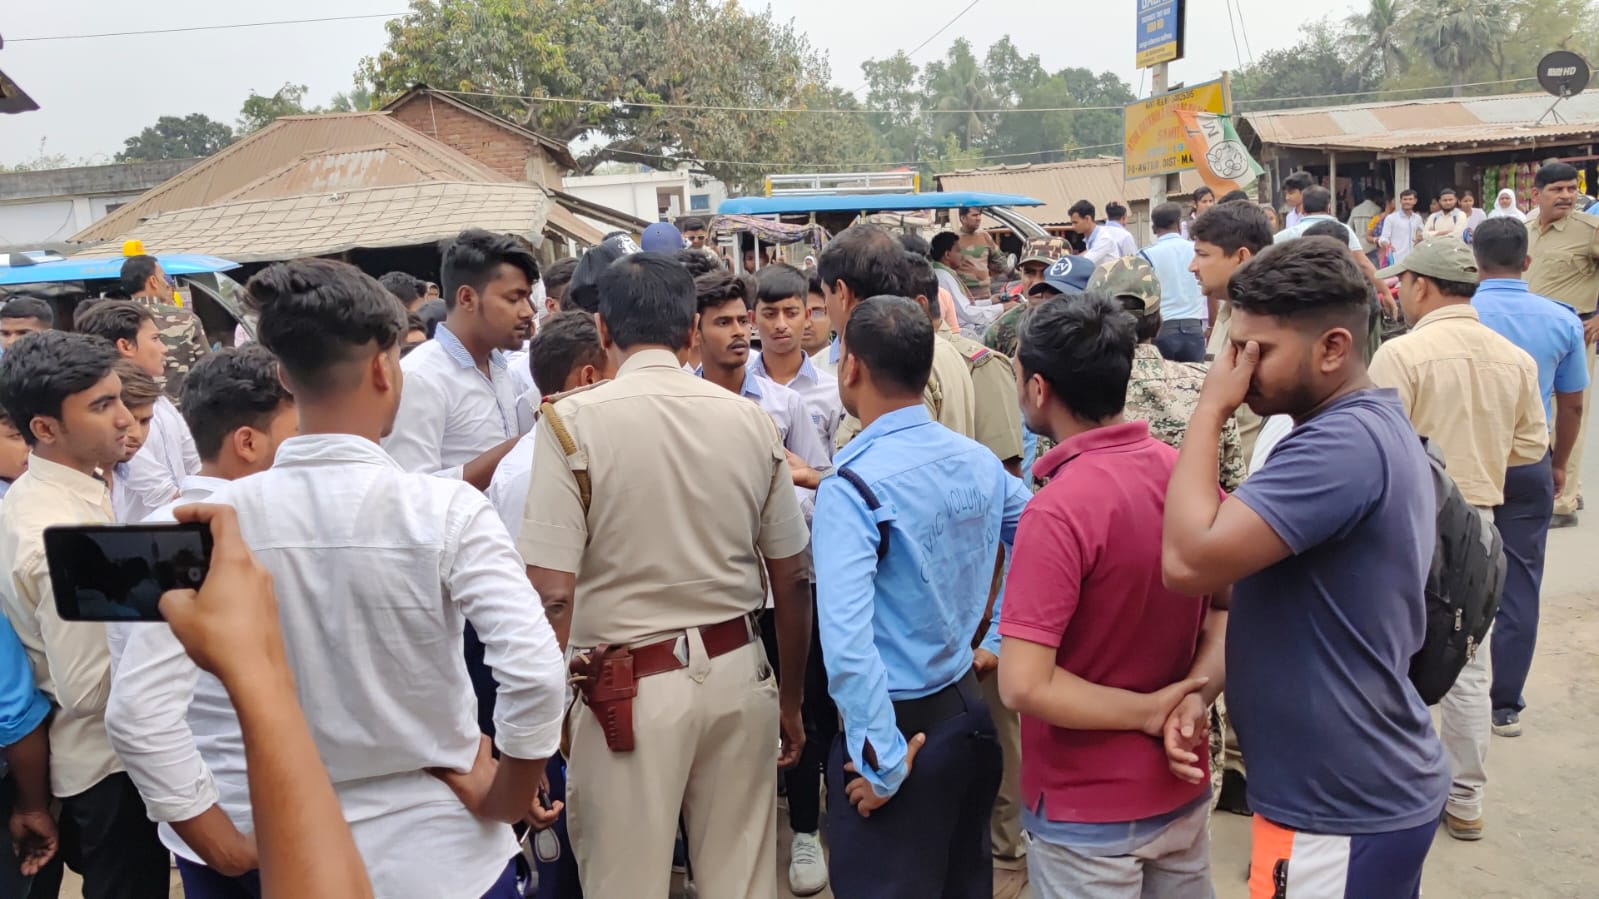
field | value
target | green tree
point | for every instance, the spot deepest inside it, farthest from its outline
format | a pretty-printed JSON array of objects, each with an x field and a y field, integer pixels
[
  {"x": 260, "y": 111},
  {"x": 357, "y": 99},
  {"x": 894, "y": 93},
  {"x": 1380, "y": 36},
  {"x": 171, "y": 137},
  {"x": 961, "y": 94},
  {"x": 1456, "y": 35},
  {"x": 659, "y": 82},
  {"x": 43, "y": 160},
  {"x": 1313, "y": 72}
]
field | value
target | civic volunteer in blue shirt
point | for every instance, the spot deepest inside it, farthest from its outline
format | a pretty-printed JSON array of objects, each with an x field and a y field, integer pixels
[
  {"x": 1551, "y": 334},
  {"x": 24, "y": 712},
  {"x": 1182, "y": 306},
  {"x": 905, "y": 542}
]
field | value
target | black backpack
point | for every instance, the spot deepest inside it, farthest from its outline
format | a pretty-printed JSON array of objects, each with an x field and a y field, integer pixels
[{"x": 1463, "y": 587}]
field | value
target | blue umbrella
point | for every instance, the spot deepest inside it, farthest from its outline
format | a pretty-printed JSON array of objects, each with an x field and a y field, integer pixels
[{"x": 101, "y": 268}]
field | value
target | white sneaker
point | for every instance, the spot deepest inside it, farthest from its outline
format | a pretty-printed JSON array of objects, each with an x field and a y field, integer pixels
[{"x": 807, "y": 869}]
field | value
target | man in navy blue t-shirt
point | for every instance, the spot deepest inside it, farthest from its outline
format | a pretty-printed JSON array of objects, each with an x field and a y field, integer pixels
[{"x": 1328, "y": 546}]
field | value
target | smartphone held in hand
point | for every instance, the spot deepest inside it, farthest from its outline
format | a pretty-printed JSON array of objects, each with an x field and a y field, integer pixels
[{"x": 118, "y": 572}]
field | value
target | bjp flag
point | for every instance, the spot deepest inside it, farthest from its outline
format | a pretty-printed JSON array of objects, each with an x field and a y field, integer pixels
[{"x": 1220, "y": 157}]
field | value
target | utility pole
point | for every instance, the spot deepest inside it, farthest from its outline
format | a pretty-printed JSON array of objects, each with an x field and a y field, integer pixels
[{"x": 1157, "y": 183}]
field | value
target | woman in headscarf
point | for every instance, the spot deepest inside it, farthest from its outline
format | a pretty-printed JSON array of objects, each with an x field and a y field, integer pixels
[{"x": 1505, "y": 205}]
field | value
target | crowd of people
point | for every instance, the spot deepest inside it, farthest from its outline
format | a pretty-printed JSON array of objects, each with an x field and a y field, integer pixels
[{"x": 552, "y": 584}]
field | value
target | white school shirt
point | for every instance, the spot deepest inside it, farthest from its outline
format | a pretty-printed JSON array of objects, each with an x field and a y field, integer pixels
[
  {"x": 1402, "y": 232},
  {"x": 1126, "y": 244},
  {"x": 158, "y": 763},
  {"x": 155, "y": 472},
  {"x": 819, "y": 391},
  {"x": 787, "y": 411},
  {"x": 449, "y": 412},
  {"x": 508, "y": 488},
  {"x": 377, "y": 570}
]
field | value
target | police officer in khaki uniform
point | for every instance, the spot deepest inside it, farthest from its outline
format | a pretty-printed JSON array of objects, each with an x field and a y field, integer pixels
[{"x": 654, "y": 499}]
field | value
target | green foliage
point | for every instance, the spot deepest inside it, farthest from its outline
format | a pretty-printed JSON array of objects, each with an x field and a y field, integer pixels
[
  {"x": 172, "y": 137},
  {"x": 358, "y": 99},
  {"x": 260, "y": 111},
  {"x": 43, "y": 160}
]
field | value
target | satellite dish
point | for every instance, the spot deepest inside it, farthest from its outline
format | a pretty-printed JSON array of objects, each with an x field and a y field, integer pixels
[{"x": 1563, "y": 73}]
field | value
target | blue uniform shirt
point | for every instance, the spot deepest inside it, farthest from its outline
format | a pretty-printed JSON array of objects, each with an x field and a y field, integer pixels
[
  {"x": 1548, "y": 331},
  {"x": 1180, "y": 297},
  {"x": 901, "y": 627},
  {"x": 22, "y": 706}
]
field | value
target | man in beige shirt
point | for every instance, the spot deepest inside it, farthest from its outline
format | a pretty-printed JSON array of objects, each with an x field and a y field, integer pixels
[
  {"x": 64, "y": 397},
  {"x": 1564, "y": 246},
  {"x": 659, "y": 504},
  {"x": 1474, "y": 394}
]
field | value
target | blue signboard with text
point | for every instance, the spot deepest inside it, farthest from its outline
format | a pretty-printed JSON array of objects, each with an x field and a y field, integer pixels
[{"x": 1160, "y": 31}]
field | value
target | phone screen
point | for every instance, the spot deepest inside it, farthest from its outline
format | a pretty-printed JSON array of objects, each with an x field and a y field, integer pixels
[{"x": 118, "y": 572}]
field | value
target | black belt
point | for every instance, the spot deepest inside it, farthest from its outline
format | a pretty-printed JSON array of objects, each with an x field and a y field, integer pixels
[
  {"x": 914, "y": 716},
  {"x": 1584, "y": 316}
]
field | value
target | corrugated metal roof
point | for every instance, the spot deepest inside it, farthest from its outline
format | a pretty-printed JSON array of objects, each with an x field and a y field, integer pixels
[
  {"x": 565, "y": 222},
  {"x": 324, "y": 224},
  {"x": 1416, "y": 124},
  {"x": 390, "y": 165},
  {"x": 1060, "y": 184},
  {"x": 280, "y": 146}
]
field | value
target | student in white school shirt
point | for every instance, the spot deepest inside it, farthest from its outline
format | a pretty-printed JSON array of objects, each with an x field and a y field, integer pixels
[
  {"x": 565, "y": 355},
  {"x": 174, "y": 726},
  {"x": 782, "y": 293},
  {"x": 376, "y": 570},
  {"x": 168, "y": 456},
  {"x": 458, "y": 412}
]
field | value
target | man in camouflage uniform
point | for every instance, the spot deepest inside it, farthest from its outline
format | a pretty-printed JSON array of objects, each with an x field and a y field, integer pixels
[{"x": 144, "y": 281}]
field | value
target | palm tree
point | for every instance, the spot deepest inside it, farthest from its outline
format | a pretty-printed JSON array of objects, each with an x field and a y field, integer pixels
[
  {"x": 959, "y": 89},
  {"x": 1455, "y": 34},
  {"x": 1380, "y": 33}
]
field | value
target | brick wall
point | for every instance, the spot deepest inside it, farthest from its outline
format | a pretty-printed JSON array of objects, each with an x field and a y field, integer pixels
[{"x": 503, "y": 151}]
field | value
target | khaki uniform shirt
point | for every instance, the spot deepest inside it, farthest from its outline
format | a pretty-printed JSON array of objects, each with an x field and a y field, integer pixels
[
  {"x": 71, "y": 662},
  {"x": 1565, "y": 260},
  {"x": 691, "y": 488},
  {"x": 949, "y": 397},
  {"x": 1472, "y": 392},
  {"x": 1165, "y": 394},
  {"x": 996, "y": 416},
  {"x": 184, "y": 336}
]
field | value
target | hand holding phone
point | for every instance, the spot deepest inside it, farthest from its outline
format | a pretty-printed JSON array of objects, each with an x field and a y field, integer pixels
[{"x": 108, "y": 572}]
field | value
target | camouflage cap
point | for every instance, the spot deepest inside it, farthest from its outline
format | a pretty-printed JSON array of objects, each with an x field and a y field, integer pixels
[
  {"x": 1132, "y": 277},
  {"x": 1043, "y": 249}
]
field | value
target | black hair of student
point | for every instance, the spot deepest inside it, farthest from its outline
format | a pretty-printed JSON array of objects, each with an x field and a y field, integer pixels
[
  {"x": 1316, "y": 200},
  {"x": 112, "y": 320},
  {"x": 894, "y": 339},
  {"x": 559, "y": 274},
  {"x": 1203, "y": 191},
  {"x": 915, "y": 243},
  {"x": 1084, "y": 352},
  {"x": 1459, "y": 289},
  {"x": 1166, "y": 217},
  {"x": 136, "y": 270},
  {"x": 647, "y": 299},
  {"x": 405, "y": 287},
  {"x": 780, "y": 281},
  {"x": 698, "y": 262},
  {"x": 1235, "y": 196},
  {"x": 1231, "y": 226},
  {"x": 922, "y": 282},
  {"x": 317, "y": 314},
  {"x": 690, "y": 223},
  {"x": 718, "y": 288},
  {"x": 942, "y": 243},
  {"x": 414, "y": 322},
  {"x": 1115, "y": 212},
  {"x": 813, "y": 283},
  {"x": 1082, "y": 209},
  {"x": 1448, "y": 191},
  {"x": 1553, "y": 173},
  {"x": 1376, "y": 195},
  {"x": 867, "y": 259},
  {"x": 40, "y": 371},
  {"x": 139, "y": 390},
  {"x": 432, "y": 313},
  {"x": 1500, "y": 245},
  {"x": 1298, "y": 181},
  {"x": 1408, "y": 192},
  {"x": 30, "y": 307},
  {"x": 1311, "y": 281},
  {"x": 565, "y": 342},
  {"x": 1327, "y": 229},
  {"x": 231, "y": 389},
  {"x": 473, "y": 258}
]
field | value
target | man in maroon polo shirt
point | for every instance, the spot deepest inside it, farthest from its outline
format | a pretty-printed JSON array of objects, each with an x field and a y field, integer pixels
[{"x": 1111, "y": 671}]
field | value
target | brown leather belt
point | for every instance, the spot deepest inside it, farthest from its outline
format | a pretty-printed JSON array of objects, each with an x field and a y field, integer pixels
[{"x": 607, "y": 675}]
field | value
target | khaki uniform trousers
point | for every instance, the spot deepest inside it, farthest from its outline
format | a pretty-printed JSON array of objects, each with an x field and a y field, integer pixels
[
  {"x": 1566, "y": 502},
  {"x": 705, "y": 743},
  {"x": 1005, "y": 825}
]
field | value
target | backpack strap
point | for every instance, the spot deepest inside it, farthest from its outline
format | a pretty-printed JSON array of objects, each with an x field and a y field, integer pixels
[
  {"x": 574, "y": 457},
  {"x": 872, "y": 503}
]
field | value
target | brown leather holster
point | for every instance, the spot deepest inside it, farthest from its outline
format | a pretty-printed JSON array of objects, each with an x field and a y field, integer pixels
[{"x": 604, "y": 676}]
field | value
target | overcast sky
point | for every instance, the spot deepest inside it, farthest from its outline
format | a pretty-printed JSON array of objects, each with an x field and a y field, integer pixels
[{"x": 96, "y": 92}]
